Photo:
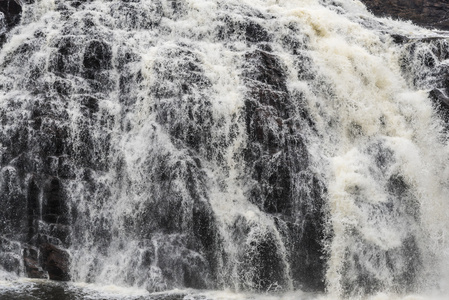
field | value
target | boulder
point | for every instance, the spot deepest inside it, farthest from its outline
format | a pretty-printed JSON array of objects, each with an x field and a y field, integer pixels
[
  {"x": 33, "y": 270},
  {"x": 56, "y": 262}
]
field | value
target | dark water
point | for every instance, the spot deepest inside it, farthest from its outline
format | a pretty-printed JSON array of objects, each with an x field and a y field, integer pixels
[
  {"x": 51, "y": 290},
  {"x": 28, "y": 289}
]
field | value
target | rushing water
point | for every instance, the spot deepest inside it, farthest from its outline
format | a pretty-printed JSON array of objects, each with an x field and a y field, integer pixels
[{"x": 249, "y": 147}]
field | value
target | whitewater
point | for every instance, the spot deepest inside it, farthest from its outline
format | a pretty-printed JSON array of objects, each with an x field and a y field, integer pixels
[{"x": 206, "y": 149}]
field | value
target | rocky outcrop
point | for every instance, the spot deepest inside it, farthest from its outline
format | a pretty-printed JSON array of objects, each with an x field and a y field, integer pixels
[
  {"x": 56, "y": 262},
  {"x": 424, "y": 64},
  {"x": 278, "y": 159},
  {"x": 33, "y": 268},
  {"x": 10, "y": 12},
  {"x": 64, "y": 177},
  {"x": 427, "y": 13}
]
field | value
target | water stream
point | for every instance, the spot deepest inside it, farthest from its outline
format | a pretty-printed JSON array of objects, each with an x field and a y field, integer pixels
[{"x": 255, "y": 148}]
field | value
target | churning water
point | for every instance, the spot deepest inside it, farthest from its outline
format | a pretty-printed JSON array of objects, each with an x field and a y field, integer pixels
[{"x": 286, "y": 147}]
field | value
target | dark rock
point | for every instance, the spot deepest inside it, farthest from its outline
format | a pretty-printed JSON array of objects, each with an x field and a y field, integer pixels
[
  {"x": 429, "y": 55},
  {"x": 61, "y": 61},
  {"x": 181, "y": 266},
  {"x": 61, "y": 232},
  {"x": 191, "y": 125},
  {"x": 406, "y": 203},
  {"x": 33, "y": 207},
  {"x": 427, "y": 13},
  {"x": 65, "y": 167},
  {"x": 90, "y": 103},
  {"x": 6, "y": 245},
  {"x": 56, "y": 262},
  {"x": 13, "y": 201},
  {"x": 402, "y": 263},
  {"x": 439, "y": 96},
  {"x": 33, "y": 269},
  {"x": 276, "y": 157},
  {"x": 205, "y": 230},
  {"x": 10, "y": 14},
  {"x": 10, "y": 255},
  {"x": 10, "y": 262},
  {"x": 266, "y": 69},
  {"x": 263, "y": 268},
  {"x": 255, "y": 33},
  {"x": 97, "y": 55},
  {"x": 306, "y": 236},
  {"x": 31, "y": 252},
  {"x": 175, "y": 220},
  {"x": 31, "y": 263},
  {"x": 12, "y": 11},
  {"x": 399, "y": 39},
  {"x": 441, "y": 102},
  {"x": 135, "y": 17},
  {"x": 248, "y": 28},
  {"x": 53, "y": 208},
  {"x": 41, "y": 239}
]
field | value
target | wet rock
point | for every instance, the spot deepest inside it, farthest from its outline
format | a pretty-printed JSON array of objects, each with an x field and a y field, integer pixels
[
  {"x": 67, "y": 52},
  {"x": 10, "y": 255},
  {"x": 275, "y": 178},
  {"x": 138, "y": 15},
  {"x": 399, "y": 39},
  {"x": 266, "y": 69},
  {"x": 33, "y": 269},
  {"x": 31, "y": 263},
  {"x": 429, "y": 56},
  {"x": 278, "y": 160},
  {"x": 55, "y": 261},
  {"x": 33, "y": 208},
  {"x": 10, "y": 262},
  {"x": 13, "y": 203},
  {"x": 206, "y": 232},
  {"x": 12, "y": 11},
  {"x": 91, "y": 104},
  {"x": 182, "y": 266},
  {"x": 191, "y": 125},
  {"x": 427, "y": 13},
  {"x": 10, "y": 14},
  {"x": 401, "y": 264},
  {"x": 53, "y": 209},
  {"x": 65, "y": 167},
  {"x": 58, "y": 144},
  {"x": 441, "y": 102},
  {"x": 60, "y": 232},
  {"x": 97, "y": 55},
  {"x": 7, "y": 245},
  {"x": 255, "y": 33},
  {"x": 248, "y": 28},
  {"x": 263, "y": 267},
  {"x": 305, "y": 235}
]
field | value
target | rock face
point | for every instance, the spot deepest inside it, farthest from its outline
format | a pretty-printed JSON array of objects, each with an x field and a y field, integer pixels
[
  {"x": 424, "y": 64},
  {"x": 68, "y": 189},
  {"x": 276, "y": 155},
  {"x": 10, "y": 12},
  {"x": 427, "y": 13},
  {"x": 56, "y": 262}
]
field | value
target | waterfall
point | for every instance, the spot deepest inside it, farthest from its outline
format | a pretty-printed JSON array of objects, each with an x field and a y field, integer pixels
[{"x": 252, "y": 146}]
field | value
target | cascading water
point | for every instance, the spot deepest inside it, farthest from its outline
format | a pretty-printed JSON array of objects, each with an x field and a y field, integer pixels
[{"x": 252, "y": 146}]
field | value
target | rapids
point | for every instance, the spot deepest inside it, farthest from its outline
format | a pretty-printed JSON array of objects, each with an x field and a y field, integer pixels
[{"x": 251, "y": 148}]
